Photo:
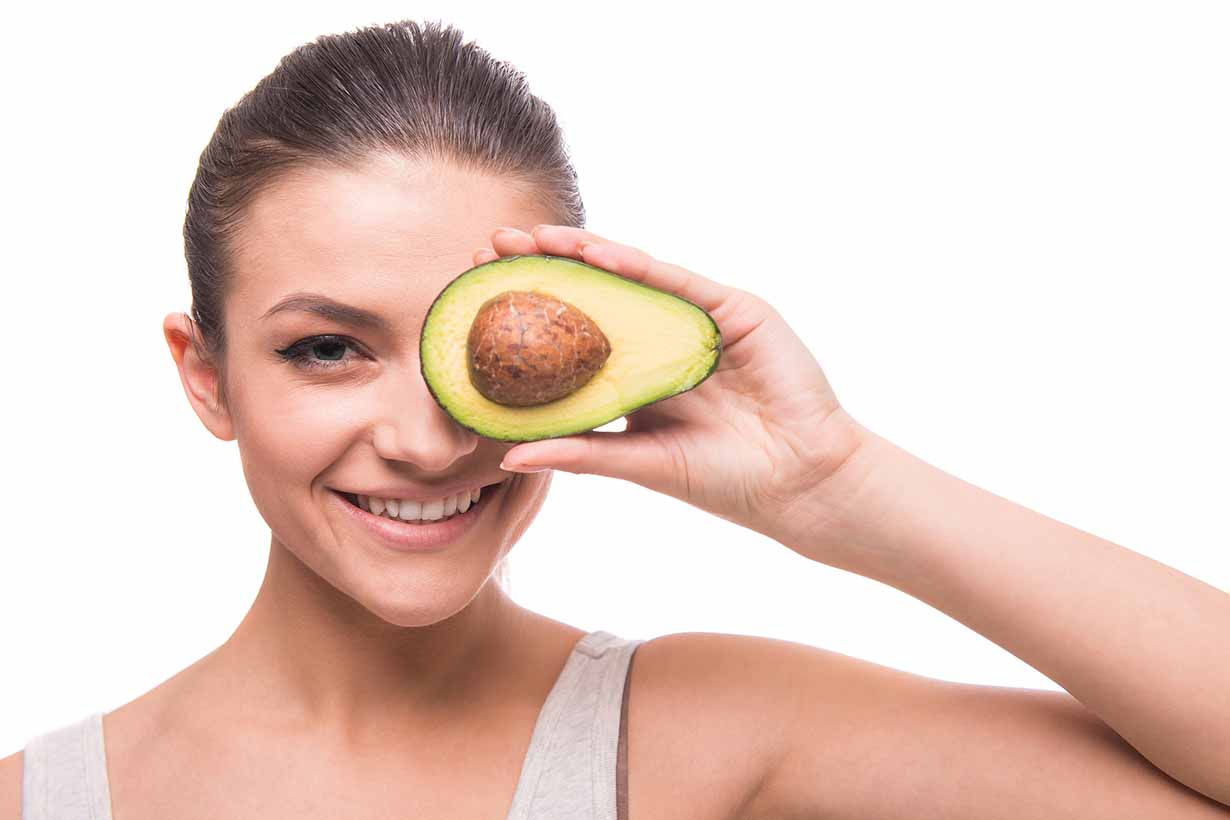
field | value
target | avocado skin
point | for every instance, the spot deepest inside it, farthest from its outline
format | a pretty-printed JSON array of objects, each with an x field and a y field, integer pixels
[{"x": 716, "y": 348}]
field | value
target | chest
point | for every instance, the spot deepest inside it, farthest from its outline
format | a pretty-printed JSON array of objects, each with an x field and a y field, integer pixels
[
  {"x": 474, "y": 780},
  {"x": 692, "y": 739}
]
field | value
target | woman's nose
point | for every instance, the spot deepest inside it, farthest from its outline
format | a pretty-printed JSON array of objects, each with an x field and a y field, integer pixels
[{"x": 415, "y": 429}]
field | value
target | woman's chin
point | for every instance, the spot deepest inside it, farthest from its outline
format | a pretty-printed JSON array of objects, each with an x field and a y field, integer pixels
[{"x": 425, "y": 601}]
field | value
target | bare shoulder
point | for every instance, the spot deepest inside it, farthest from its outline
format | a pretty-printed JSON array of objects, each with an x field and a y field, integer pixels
[
  {"x": 10, "y": 787},
  {"x": 747, "y": 727},
  {"x": 708, "y": 715}
]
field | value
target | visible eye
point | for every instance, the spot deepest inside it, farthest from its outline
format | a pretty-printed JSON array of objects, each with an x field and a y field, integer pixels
[{"x": 331, "y": 348}]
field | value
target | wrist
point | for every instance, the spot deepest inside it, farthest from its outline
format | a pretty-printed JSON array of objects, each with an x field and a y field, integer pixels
[{"x": 827, "y": 519}]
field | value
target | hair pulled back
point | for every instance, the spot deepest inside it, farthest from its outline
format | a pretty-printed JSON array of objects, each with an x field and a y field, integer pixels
[{"x": 404, "y": 87}]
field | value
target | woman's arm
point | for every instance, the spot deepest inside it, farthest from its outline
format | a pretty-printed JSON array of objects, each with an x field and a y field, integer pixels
[
  {"x": 1143, "y": 646},
  {"x": 764, "y": 443}
]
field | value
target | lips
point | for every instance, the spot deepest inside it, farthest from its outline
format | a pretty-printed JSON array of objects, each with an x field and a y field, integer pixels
[{"x": 408, "y": 536}]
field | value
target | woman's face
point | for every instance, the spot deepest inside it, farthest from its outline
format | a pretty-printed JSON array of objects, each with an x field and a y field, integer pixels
[{"x": 357, "y": 416}]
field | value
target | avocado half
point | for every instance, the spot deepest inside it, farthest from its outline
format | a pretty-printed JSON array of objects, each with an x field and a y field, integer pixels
[{"x": 658, "y": 345}]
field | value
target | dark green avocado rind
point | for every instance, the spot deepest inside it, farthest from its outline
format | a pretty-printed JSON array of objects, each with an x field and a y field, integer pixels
[{"x": 689, "y": 384}]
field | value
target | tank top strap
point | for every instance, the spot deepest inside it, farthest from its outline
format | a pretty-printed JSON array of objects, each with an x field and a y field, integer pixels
[
  {"x": 64, "y": 774},
  {"x": 573, "y": 761},
  {"x": 575, "y": 767}
]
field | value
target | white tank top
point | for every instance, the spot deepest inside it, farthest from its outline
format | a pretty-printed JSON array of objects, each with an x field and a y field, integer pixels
[{"x": 575, "y": 767}]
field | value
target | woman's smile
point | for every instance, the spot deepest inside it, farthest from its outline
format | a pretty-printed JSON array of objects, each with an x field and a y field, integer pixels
[{"x": 417, "y": 534}]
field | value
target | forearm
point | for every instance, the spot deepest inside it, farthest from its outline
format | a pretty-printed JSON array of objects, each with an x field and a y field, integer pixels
[{"x": 1143, "y": 646}]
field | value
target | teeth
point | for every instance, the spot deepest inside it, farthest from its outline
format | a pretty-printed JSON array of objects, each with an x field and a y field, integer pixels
[
  {"x": 412, "y": 510},
  {"x": 433, "y": 509}
]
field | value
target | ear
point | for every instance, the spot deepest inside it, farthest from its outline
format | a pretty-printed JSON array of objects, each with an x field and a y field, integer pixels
[{"x": 198, "y": 376}]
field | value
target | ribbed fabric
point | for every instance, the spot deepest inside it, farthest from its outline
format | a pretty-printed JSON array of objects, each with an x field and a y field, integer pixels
[
  {"x": 64, "y": 774},
  {"x": 569, "y": 770},
  {"x": 572, "y": 768}
]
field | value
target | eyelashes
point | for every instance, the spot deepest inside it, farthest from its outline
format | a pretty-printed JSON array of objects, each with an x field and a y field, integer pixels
[{"x": 299, "y": 353}]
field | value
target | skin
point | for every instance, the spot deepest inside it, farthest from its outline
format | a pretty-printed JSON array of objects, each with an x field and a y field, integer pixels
[
  {"x": 766, "y": 444},
  {"x": 387, "y": 238},
  {"x": 354, "y": 664},
  {"x": 366, "y": 685}
]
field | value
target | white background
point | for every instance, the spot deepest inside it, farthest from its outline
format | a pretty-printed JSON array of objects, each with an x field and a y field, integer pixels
[{"x": 1001, "y": 228}]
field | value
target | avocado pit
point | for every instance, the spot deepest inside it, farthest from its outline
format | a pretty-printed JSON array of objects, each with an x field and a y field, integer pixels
[{"x": 527, "y": 348}]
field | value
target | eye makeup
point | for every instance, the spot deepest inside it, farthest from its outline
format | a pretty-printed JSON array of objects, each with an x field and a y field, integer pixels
[{"x": 300, "y": 355}]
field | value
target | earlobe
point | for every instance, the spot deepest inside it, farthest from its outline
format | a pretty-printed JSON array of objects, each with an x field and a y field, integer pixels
[{"x": 198, "y": 377}]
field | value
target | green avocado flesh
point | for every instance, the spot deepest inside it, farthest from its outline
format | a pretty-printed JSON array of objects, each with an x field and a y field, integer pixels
[{"x": 661, "y": 345}]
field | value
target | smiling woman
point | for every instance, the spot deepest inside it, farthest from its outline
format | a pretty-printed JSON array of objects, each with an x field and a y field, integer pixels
[
  {"x": 331, "y": 205},
  {"x": 383, "y": 671},
  {"x": 478, "y": 131}
]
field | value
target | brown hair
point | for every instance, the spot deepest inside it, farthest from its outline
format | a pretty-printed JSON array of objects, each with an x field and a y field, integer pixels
[{"x": 400, "y": 87}]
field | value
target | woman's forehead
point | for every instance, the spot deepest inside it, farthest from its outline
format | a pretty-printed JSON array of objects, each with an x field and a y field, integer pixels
[
  {"x": 378, "y": 211},
  {"x": 387, "y": 230}
]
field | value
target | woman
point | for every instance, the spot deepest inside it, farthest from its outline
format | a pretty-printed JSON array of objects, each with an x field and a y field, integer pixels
[{"x": 330, "y": 207}]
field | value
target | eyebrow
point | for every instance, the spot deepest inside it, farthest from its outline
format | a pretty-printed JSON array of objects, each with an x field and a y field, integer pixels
[{"x": 321, "y": 305}]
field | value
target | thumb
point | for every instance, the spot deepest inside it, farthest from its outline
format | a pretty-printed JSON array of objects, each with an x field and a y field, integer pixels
[{"x": 617, "y": 454}]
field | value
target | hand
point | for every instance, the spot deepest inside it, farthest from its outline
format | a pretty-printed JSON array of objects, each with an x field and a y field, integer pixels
[{"x": 763, "y": 432}]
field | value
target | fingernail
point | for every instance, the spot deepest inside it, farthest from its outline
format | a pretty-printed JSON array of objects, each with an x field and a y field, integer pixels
[
  {"x": 522, "y": 468},
  {"x": 536, "y": 227}
]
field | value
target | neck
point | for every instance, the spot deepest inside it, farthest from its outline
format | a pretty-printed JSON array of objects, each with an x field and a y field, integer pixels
[{"x": 308, "y": 654}]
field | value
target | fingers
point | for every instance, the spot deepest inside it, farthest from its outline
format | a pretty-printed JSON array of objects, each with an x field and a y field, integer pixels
[
  {"x": 511, "y": 242},
  {"x": 564, "y": 240},
  {"x": 506, "y": 242},
  {"x": 636, "y": 457},
  {"x": 484, "y": 255},
  {"x": 625, "y": 260}
]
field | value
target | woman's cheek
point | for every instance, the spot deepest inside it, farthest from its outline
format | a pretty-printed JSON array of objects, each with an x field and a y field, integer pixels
[{"x": 288, "y": 440}]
